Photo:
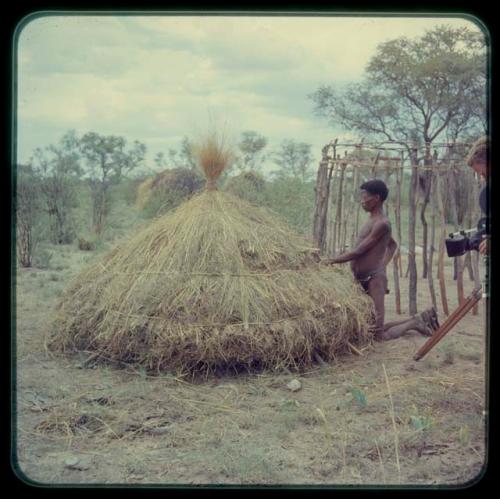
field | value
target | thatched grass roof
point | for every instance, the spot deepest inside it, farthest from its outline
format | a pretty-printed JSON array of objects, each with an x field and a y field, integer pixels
[{"x": 217, "y": 283}]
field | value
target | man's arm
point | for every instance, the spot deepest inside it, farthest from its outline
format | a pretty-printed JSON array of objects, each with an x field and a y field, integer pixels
[
  {"x": 379, "y": 230},
  {"x": 391, "y": 249}
]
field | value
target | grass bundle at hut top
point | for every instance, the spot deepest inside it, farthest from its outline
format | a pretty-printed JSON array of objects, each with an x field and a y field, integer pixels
[{"x": 217, "y": 283}]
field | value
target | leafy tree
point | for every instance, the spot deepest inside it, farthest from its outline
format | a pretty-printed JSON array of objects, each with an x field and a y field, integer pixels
[
  {"x": 107, "y": 160},
  {"x": 178, "y": 158},
  {"x": 59, "y": 168},
  {"x": 414, "y": 92},
  {"x": 293, "y": 200},
  {"x": 186, "y": 155},
  {"x": 294, "y": 159},
  {"x": 28, "y": 214},
  {"x": 251, "y": 148},
  {"x": 414, "y": 89}
]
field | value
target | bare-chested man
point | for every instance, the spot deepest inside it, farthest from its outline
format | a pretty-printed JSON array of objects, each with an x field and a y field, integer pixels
[{"x": 373, "y": 250}]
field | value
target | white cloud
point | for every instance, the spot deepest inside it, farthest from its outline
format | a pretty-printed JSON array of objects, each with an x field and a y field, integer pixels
[{"x": 157, "y": 79}]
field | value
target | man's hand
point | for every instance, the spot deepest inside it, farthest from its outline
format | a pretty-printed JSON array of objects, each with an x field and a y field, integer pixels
[
  {"x": 484, "y": 246},
  {"x": 329, "y": 261}
]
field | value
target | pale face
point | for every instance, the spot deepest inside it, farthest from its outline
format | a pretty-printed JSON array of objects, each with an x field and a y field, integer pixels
[{"x": 480, "y": 167}]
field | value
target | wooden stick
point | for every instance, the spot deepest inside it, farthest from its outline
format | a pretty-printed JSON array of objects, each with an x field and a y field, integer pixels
[
  {"x": 430, "y": 276},
  {"x": 412, "y": 266},
  {"x": 399, "y": 187},
  {"x": 477, "y": 278},
  {"x": 331, "y": 224},
  {"x": 396, "y": 434},
  {"x": 355, "y": 190},
  {"x": 458, "y": 263},
  {"x": 442, "y": 281},
  {"x": 354, "y": 349},
  {"x": 321, "y": 203},
  {"x": 338, "y": 211},
  {"x": 373, "y": 168}
]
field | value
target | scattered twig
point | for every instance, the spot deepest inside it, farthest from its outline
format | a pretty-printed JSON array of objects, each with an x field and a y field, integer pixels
[
  {"x": 380, "y": 461},
  {"x": 396, "y": 437},
  {"x": 355, "y": 350}
]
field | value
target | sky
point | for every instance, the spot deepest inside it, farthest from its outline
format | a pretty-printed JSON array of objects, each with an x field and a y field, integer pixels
[{"x": 157, "y": 79}]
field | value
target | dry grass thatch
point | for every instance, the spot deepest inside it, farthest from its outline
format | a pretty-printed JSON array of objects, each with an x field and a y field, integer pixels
[
  {"x": 217, "y": 283},
  {"x": 214, "y": 155}
]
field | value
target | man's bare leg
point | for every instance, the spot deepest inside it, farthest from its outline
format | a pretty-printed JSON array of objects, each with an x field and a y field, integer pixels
[
  {"x": 429, "y": 317},
  {"x": 416, "y": 324},
  {"x": 388, "y": 325},
  {"x": 376, "y": 289}
]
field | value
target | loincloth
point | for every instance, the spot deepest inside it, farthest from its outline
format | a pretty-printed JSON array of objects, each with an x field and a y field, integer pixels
[{"x": 364, "y": 278}]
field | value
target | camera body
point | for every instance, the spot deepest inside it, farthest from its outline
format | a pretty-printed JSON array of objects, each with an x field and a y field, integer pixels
[{"x": 462, "y": 241}]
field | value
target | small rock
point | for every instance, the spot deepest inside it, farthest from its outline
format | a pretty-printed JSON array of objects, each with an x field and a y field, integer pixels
[
  {"x": 71, "y": 462},
  {"x": 294, "y": 385},
  {"x": 74, "y": 463}
]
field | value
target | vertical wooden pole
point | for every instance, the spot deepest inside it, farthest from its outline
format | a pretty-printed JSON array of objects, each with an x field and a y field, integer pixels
[
  {"x": 459, "y": 267},
  {"x": 442, "y": 221},
  {"x": 355, "y": 190},
  {"x": 477, "y": 279},
  {"x": 395, "y": 269},
  {"x": 331, "y": 212},
  {"x": 338, "y": 211},
  {"x": 399, "y": 187},
  {"x": 347, "y": 238},
  {"x": 472, "y": 218},
  {"x": 359, "y": 154},
  {"x": 331, "y": 225},
  {"x": 474, "y": 215},
  {"x": 430, "y": 276},
  {"x": 460, "y": 280},
  {"x": 322, "y": 199},
  {"x": 468, "y": 263},
  {"x": 426, "y": 176},
  {"x": 412, "y": 266}
]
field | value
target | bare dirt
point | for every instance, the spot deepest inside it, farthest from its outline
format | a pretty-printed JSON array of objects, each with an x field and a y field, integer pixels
[{"x": 351, "y": 422}]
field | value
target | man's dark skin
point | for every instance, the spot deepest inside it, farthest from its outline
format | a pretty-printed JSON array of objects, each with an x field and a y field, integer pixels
[{"x": 373, "y": 250}]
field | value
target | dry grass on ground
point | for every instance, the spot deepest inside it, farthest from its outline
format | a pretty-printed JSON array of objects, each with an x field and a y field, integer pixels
[{"x": 79, "y": 423}]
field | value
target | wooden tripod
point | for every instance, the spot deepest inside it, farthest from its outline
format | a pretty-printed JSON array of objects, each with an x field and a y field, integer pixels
[{"x": 450, "y": 322}]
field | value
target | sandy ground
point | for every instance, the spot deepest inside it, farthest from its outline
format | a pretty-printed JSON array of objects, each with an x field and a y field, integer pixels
[{"x": 379, "y": 418}]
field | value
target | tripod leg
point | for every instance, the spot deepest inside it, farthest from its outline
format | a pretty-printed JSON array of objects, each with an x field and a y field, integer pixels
[{"x": 454, "y": 318}]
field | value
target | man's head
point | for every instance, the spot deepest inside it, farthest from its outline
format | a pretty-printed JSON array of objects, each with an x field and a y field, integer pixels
[
  {"x": 373, "y": 194},
  {"x": 478, "y": 156}
]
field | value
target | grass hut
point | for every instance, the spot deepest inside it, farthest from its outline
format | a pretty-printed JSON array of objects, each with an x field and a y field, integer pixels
[
  {"x": 218, "y": 283},
  {"x": 248, "y": 185},
  {"x": 167, "y": 189}
]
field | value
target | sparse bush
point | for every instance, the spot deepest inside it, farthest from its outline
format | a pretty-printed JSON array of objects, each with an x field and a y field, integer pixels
[
  {"x": 42, "y": 259},
  {"x": 293, "y": 200},
  {"x": 28, "y": 215},
  {"x": 58, "y": 170},
  {"x": 248, "y": 185},
  {"x": 85, "y": 245}
]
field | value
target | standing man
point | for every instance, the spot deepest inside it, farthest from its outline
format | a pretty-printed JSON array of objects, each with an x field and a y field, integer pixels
[
  {"x": 373, "y": 250},
  {"x": 478, "y": 161}
]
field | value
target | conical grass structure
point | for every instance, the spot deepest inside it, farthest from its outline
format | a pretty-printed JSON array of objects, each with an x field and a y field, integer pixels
[{"x": 216, "y": 284}]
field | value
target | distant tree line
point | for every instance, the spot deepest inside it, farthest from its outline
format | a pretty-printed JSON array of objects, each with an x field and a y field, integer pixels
[{"x": 48, "y": 187}]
